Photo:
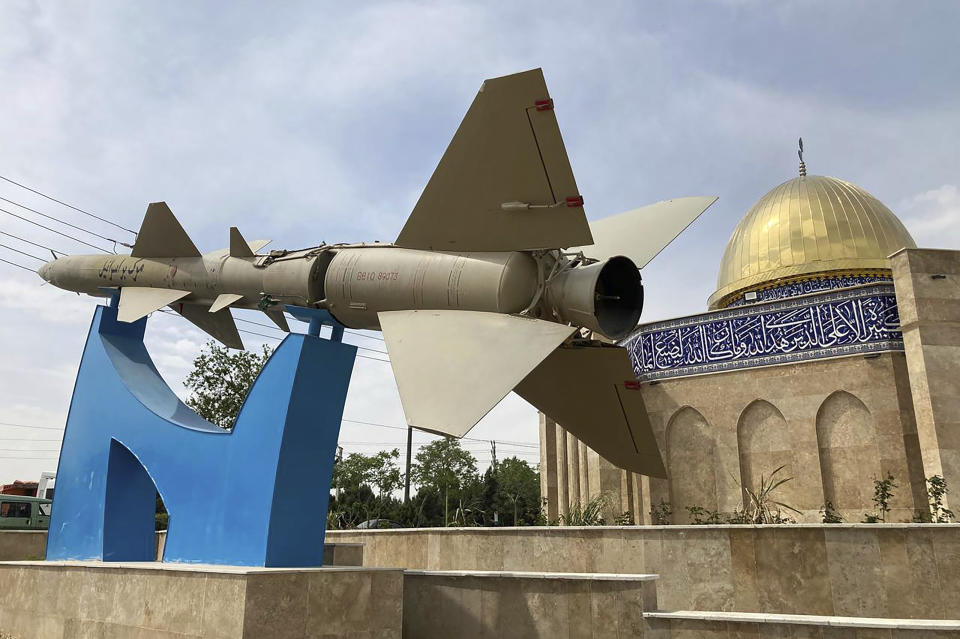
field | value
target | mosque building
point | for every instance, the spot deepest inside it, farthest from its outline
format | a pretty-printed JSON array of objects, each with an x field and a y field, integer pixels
[{"x": 831, "y": 348}]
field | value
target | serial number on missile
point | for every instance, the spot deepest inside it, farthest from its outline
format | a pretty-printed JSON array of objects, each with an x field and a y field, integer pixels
[{"x": 377, "y": 276}]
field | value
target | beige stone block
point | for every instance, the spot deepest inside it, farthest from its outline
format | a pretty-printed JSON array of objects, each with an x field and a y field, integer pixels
[
  {"x": 386, "y": 600},
  {"x": 908, "y": 561},
  {"x": 743, "y": 567},
  {"x": 700, "y": 574},
  {"x": 743, "y": 631},
  {"x": 98, "y": 592},
  {"x": 792, "y": 571},
  {"x": 276, "y": 605},
  {"x": 689, "y": 629},
  {"x": 490, "y": 612},
  {"x": 224, "y": 599},
  {"x": 605, "y": 603},
  {"x": 856, "y": 575}
]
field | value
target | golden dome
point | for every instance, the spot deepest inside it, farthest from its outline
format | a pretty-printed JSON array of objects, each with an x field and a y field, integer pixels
[{"x": 805, "y": 227}]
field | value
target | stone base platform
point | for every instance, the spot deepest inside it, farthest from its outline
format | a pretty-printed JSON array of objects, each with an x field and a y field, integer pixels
[{"x": 81, "y": 600}]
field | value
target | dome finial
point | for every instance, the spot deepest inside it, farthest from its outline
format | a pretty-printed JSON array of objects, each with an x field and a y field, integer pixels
[{"x": 803, "y": 167}]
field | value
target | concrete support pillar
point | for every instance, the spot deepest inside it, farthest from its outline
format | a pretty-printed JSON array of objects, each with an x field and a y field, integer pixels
[
  {"x": 563, "y": 493},
  {"x": 574, "y": 483},
  {"x": 626, "y": 495},
  {"x": 548, "y": 467},
  {"x": 928, "y": 298},
  {"x": 589, "y": 473}
]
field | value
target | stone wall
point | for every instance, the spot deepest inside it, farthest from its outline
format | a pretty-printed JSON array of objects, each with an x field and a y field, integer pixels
[
  {"x": 928, "y": 296},
  {"x": 77, "y": 600},
  {"x": 22, "y": 545},
  {"x": 834, "y": 425},
  {"x": 508, "y": 606},
  {"x": 881, "y": 570}
]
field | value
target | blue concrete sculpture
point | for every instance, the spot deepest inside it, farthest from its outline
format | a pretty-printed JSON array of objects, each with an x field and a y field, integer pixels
[{"x": 253, "y": 496}]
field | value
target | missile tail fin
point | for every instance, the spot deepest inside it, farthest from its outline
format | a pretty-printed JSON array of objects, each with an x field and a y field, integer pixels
[
  {"x": 592, "y": 392},
  {"x": 507, "y": 151},
  {"x": 139, "y": 301},
  {"x": 238, "y": 245},
  {"x": 452, "y": 367},
  {"x": 223, "y": 301},
  {"x": 219, "y": 325},
  {"x": 278, "y": 318},
  {"x": 642, "y": 233},
  {"x": 161, "y": 235}
]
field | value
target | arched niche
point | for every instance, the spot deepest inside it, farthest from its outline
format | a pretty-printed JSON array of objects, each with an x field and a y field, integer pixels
[
  {"x": 692, "y": 463},
  {"x": 849, "y": 456},
  {"x": 764, "y": 445}
]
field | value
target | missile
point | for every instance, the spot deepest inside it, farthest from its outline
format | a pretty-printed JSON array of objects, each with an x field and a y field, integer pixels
[{"x": 497, "y": 282}]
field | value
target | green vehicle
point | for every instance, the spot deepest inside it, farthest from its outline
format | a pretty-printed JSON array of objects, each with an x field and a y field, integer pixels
[{"x": 24, "y": 513}]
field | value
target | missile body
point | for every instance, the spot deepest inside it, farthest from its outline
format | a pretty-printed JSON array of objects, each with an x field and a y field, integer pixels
[{"x": 357, "y": 282}]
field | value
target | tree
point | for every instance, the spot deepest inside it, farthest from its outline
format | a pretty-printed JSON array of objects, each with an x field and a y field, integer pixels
[
  {"x": 357, "y": 476},
  {"x": 220, "y": 381},
  {"x": 442, "y": 465},
  {"x": 520, "y": 486}
]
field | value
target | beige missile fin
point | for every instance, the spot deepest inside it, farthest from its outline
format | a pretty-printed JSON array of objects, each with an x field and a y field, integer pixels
[
  {"x": 256, "y": 245},
  {"x": 278, "y": 318},
  {"x": 642, "y": 233},
  {"x": 591, "y": 392},
  {"x": 140, "y": 301},
  {"x": 238, "y": 245},
  {"x": 452, "y": 367},
  {"x": 219, "y": 325},
  {"x": 162, "y": 236},
  {"x": 507, "y": 151},
  {"x": 223, "y": 301}
]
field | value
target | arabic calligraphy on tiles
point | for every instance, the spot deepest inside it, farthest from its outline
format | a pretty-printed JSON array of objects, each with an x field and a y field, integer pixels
[
  {"x": 817, "y": 285},
  {"x": 833, "y": 324}
]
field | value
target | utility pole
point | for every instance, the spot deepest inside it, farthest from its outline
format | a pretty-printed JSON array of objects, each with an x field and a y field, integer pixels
[
  {"x": 336, "y": 460},
  {"x": 493, "y": 454},
  {"x": 406, "y": 480}
]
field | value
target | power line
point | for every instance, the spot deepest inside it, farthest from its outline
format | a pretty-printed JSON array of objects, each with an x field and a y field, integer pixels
[
  {"x": 17, "y": 237},
  {"x": 26, "y": 268},
  {"x": 65, "y": 223},
  {"x": 28, "y": 426},
  {"x": 69, "y": 206},
  {"x": 75, "y": 239},
  {"x": 10, "y": 248},
  {"x": 470, "y": 439}
]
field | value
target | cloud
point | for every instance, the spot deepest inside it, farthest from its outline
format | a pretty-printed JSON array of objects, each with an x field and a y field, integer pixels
[{"x": 933, "y": 217}]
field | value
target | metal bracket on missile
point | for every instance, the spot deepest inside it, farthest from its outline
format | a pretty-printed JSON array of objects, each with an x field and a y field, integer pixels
[{"x": 317, "y": 318}]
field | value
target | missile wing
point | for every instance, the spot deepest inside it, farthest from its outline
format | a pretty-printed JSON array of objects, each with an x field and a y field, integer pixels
[
  {"x": 507, "y": 151},
  {"x": 162, "y": 236},
  {"x": 452, "y": 367},
  {"x": 642, "y": 233}
]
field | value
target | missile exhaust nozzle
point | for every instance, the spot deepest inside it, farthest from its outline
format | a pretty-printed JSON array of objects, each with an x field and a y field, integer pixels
[{"x": 606, "y": 297}]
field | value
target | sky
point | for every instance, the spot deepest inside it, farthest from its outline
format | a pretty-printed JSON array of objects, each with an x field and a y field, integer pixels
[{"x": 317, "y": 121}]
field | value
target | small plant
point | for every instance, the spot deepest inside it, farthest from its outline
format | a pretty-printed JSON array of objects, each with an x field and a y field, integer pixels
[
  {"x": 701, "y": 515},
  {"x": 763, "y": 509},
  {"x": 626, "y": 519},
  {"x": 882, "y": 494},
  {"x": 936, "y": 490},
  {"x": 661, "y": 513},
  {"x": 739, "y": 516},
  {"x": 590, "y": 514},
  {"x": 829, "y": 514}
]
